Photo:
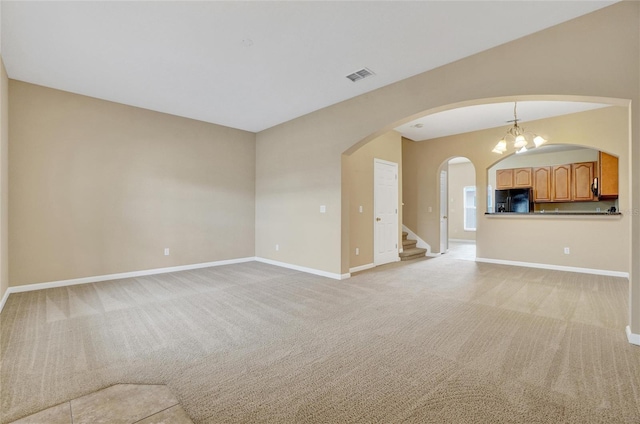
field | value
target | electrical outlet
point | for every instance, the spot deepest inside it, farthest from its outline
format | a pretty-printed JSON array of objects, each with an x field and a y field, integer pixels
[
  {"x": 360, "y": 209},
  {"x": 323, "y": 209},
  {"x": 277, "y": 247},
  {"x": 357, "y": 251},
  {"x": 430, "y": 209},
  {"x": 566, "y": 251},
  {"x": 166, "y": 251}
]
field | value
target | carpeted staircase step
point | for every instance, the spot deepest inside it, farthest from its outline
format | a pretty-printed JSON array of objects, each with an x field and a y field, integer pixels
[
  {"x": 413, "y": 253},
  {"x": 404, "y": 235},
  {"x": 408, "y": 244}
]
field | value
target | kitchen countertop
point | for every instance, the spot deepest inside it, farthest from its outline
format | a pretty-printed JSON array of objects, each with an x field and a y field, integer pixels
[{"x": 555, "y": 214}]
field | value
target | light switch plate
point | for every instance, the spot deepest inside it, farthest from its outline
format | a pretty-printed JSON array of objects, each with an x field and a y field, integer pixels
[{"x": 323, "y": 209}]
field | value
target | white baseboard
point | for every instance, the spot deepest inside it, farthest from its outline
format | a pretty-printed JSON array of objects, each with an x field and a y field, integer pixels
[
  {"x": 556, "y": 267},
  {"x": 420, "y": 243},
  {"x": 4, "y": 298},
  {"x": 119, "y": 276},
  {"x": 304, "y": 269},
  {"x": 462, "y": 241},
  {"x": 633, "y": 338},
  {"x": 108, "y": 277},
  {"x": 361, "y": 268}
]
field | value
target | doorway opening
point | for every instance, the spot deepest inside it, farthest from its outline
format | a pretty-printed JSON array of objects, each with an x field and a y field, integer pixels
[{"x": 458, "y": 209}]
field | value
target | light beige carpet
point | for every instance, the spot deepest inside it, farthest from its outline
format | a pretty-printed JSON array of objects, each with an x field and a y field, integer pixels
[{"x": 433, "y": 341}]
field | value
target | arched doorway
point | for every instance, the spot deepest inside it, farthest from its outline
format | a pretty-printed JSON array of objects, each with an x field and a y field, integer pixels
[
  {"x": 459, "y": 206},
  {"x": 422, "y": 160}
]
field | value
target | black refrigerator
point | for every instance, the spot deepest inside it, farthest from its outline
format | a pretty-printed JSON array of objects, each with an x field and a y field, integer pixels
[{"x": 515, "y": 200}]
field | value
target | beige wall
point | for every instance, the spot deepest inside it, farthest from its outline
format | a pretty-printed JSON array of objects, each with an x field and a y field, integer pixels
[
  {"x": 4, "y": 180},
  {"x": 460, "y": 175},
  {"x": 99, "y": 188},
  {"x": 540, "y": 239},
  {"x": 409, "y": 186},
  {"x": 299, "y": 162},
  {"x": 359, "y": 175}
]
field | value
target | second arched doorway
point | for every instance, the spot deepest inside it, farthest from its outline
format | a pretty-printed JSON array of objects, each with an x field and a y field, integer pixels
[{"x": 458, "y": 208}]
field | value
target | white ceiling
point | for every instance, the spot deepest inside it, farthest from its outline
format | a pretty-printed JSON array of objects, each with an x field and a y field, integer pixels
[
  {"x": 473, "y": 118},
  {"x": 252, "y": 65}
]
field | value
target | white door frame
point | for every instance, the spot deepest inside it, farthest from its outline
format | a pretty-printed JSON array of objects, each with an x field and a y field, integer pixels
[
  {"x": 385, "y": 220},
  {"x": 444, "y": 209}
]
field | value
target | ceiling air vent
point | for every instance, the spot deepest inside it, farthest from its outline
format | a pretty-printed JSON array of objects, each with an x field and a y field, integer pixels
[{"x": 361, "y": 74}]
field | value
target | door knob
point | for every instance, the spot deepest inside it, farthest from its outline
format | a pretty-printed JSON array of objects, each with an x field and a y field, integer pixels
[
  {"x": 444, "y": 217},
  {"x": 378, "y": 219}
]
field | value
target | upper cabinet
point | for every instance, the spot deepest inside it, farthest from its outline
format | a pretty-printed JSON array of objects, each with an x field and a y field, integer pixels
[
  {"x": 582, "y": 175},
  {"x": 542, "y": 184},
  {"x": 561, "y": 183},
  {"x": 513, "y": 178},
  {"x": 591, "y": 177},
  {"x": 562, "y": 178},
  {"x": 607, "y": 176},
  {"x": 504, "y": 178},
  {"x": 522, "y": 177}
]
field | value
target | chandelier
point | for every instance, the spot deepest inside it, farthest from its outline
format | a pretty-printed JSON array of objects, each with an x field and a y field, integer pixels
[{"x": 521, "y": 139}]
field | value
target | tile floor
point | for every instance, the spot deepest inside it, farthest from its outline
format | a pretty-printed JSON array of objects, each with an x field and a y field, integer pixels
[
  {"x": 119, "y": 404},
  {"x": 465, "y": 250}
]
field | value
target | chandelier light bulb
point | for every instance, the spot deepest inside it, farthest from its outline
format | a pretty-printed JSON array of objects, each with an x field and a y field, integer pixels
[
  {"x": 520, "y": 142},
  {"x": 501, "y": 147},
  {"x": 539, "y": 141}
]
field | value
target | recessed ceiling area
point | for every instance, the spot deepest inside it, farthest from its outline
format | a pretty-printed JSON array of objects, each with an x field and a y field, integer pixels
[
  {"x": 252, "y": 65},
  {"x": 493, "y": 115}
]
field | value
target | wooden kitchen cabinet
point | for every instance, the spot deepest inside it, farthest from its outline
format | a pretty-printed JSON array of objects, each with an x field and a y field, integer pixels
[
  {"x": 522, "y": 178},
  {"x": 582, "y": 175},
  {"x": 541, "y": 184},
  {"x": 565, "y": 183},
  {"x": 504, "y": 178},
  {"x": 607, "y": 176},
  {"x": 561, "y": 183},
  {"x": 513, "y": 178}
]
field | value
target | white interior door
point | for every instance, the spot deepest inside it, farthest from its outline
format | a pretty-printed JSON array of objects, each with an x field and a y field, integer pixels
[
  {"x": 385, "y": 218},
  {"x": 444, "y": 210}
]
